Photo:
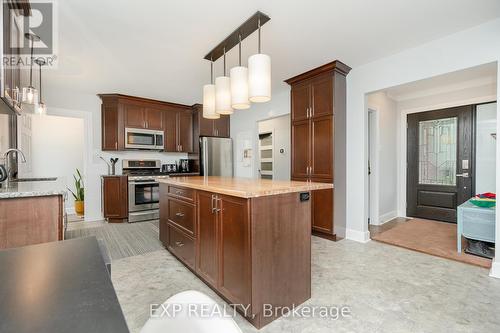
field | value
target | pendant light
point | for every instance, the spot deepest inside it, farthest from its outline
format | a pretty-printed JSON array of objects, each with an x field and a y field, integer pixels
[
  {"x": 239, "y": 84},
  {"x": 30, "y": 93},
  {"x": 223, "y": 92},
  {"x": 41, "y": 108},
  {"x": 209, "y": 97},
  {"x": 259, "y": 76}
]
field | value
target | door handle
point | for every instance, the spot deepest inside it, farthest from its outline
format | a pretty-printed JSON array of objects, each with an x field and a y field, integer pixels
[
  {"x": 212, "y": 204},
  {"x": 179, "y": 214},
  {"x": 463, "y": 175}
]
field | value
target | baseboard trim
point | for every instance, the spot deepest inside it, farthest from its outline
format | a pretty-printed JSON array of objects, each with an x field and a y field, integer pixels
[
  {"x": 384, "y": 218},
  {"x": 358, "y": 236},
  {"x": 495, "y": 269}
]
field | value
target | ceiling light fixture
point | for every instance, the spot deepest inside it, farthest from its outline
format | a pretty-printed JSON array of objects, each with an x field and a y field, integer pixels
[
  {"x": 245, "y": 84},
  {"x": 223, "y": 92},
  {"x": 41, "y": 108},
  {"x": 239, "y": 84},
  {"x": 209, "y": 97},
  {"x": 30, "y": 93},
  {"x": 259, "y": 75}
]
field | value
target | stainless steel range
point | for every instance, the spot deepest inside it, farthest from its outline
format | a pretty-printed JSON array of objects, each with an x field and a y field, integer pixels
[{"x": 143, "y": 189}]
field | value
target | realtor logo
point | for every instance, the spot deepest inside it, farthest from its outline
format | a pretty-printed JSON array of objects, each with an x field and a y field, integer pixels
[{"x": 34, "y": 28}]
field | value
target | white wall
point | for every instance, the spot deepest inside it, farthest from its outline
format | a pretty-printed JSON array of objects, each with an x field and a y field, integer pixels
[
  {"x": 486, "y": 147},
  {"x": 244, "y": 129},
  {"x": 57, "y": 149},
  {"x": 386, "y": 165},
  {"x": 280, "y": 127},
  {"x": 472, "y": 47},
  {"x": 433, "y": 101}
]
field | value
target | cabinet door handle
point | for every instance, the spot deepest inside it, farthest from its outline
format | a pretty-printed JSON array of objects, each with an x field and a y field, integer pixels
[
  {"x": 218, "y": 209},
  {"x": 116, "y": 144},
  {"x": 179, "y": 214},
  {"x": 212, "y": 203},
  {"x": 180, "y": 146},
  {"x": 179, "y": 244}
]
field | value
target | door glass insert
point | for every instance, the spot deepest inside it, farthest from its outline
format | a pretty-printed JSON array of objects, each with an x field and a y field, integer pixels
[{"x": 437, "y": 161}]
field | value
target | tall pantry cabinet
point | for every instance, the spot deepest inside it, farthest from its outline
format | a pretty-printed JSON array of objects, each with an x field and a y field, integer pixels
[{"x": 318, "y": 102}]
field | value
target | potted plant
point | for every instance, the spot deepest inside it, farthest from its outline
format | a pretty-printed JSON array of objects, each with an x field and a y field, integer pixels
[{"x": 79, "y": 193}]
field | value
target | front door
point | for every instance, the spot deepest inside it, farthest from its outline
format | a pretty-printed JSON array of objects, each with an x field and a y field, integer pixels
[{"x": 440, "y": 162}]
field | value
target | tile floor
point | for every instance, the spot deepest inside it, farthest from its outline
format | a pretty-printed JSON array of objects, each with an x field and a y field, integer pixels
[{"x": 388, "y": 289}]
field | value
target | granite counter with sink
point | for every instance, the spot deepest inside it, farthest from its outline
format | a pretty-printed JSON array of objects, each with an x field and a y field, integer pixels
[{"x": 35, "y": 187}]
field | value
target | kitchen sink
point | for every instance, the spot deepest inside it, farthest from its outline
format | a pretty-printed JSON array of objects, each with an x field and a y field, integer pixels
[{"x": 46, "y": 179}]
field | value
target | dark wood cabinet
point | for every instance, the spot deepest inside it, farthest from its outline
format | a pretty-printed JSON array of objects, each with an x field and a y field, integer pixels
[
  {"x": 221, "y": 127},
  {"x": 317, "y": 98},
  {"x": 154, "y": 119},
  {"x": 179, "y": 130},
  {"x": 301, "y": 148},
  {"x": 115, "y": 198},
  {"x": 206, "y": 264},
  {"x": 121, "y": 111},
  {"x": 112, "y": 133},
  {"x": 300, "y": 101},
  {"x": 322, "y": 147},
  {"x": 134, "y": 116},
  {"x": 234, "y": 247},
  {"x": 211, "y": 127}
]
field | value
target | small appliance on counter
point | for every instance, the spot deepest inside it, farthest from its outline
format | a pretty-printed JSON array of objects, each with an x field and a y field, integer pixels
[
  {"x": 184, "y": 165},
  {"x": 169, "y": 168}
]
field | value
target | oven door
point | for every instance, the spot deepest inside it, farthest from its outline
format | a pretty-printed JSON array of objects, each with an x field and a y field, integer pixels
[
  {"x": 142, "y": 139},
  {"x": 143, "y": 195}
]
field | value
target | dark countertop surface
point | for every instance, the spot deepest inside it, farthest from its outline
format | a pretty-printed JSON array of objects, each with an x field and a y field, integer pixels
[{"x": 58, "y": 287}]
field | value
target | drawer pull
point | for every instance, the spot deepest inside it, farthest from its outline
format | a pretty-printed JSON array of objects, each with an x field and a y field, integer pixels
[
  {"x": 179, "y": 244},
  {"x": 179, "y": 214},
  {"x": 178, "y": 192}
]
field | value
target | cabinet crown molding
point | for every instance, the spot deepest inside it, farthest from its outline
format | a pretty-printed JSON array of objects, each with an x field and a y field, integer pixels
[
  {"x": 334, "y": 66},
  {"x": 114, "y": 96}
]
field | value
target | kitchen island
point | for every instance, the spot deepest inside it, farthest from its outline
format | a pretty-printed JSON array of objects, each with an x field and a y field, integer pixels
[
  {"x": 248, "y": 239},
  {"x": 32, "y": 212}
]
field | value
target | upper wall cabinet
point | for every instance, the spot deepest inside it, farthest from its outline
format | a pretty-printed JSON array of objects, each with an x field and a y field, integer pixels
[
  {"x": 121, "y": 111},
  {"x": 211, "y": 127}
]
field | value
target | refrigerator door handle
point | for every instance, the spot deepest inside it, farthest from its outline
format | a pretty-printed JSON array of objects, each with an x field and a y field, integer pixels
[{"x": 205, "y": 157}]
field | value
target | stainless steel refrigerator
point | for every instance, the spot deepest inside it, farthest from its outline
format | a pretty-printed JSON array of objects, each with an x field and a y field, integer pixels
[{"x": 216, "y": 157}]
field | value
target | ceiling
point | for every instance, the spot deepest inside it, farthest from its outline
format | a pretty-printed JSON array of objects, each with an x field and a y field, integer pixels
[
  {"x": 155, "y": 48},
  {"x": 478, "y": 76}
]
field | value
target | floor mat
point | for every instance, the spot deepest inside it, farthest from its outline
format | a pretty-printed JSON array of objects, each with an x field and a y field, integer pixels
[{"x": 431, "y": 237}]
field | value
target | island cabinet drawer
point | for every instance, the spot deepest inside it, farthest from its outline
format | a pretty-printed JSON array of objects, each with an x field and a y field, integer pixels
[
  {"x": 182, "y": 215},
  {"x": 181, "y": 245},
  {"x": 181, "y": 193}
]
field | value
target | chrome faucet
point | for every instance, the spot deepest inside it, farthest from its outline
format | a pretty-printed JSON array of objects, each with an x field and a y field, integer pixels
[{"x": 7, "y": 163}]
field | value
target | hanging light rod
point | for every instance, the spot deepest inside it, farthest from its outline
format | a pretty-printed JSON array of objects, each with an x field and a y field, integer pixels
[{"x": 243, "y": 31}]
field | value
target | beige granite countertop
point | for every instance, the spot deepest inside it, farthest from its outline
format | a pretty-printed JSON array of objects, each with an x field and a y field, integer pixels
[
  {"x": 244, "y": 187},
  {"x": 33, "y": 189}
]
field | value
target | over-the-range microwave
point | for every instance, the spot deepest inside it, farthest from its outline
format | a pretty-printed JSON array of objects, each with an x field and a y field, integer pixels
[{"x": 136, "y": 138}]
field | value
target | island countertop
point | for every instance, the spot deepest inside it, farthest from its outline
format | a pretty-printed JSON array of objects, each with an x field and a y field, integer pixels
[
  {"x": 33, "y": 189},
  {"x": 245, "y": 187}
]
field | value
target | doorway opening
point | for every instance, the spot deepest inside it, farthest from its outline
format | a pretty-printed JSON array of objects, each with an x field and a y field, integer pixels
[
  {"x": 273, "y": 156},
  {"x": 445, "y": 148}
]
